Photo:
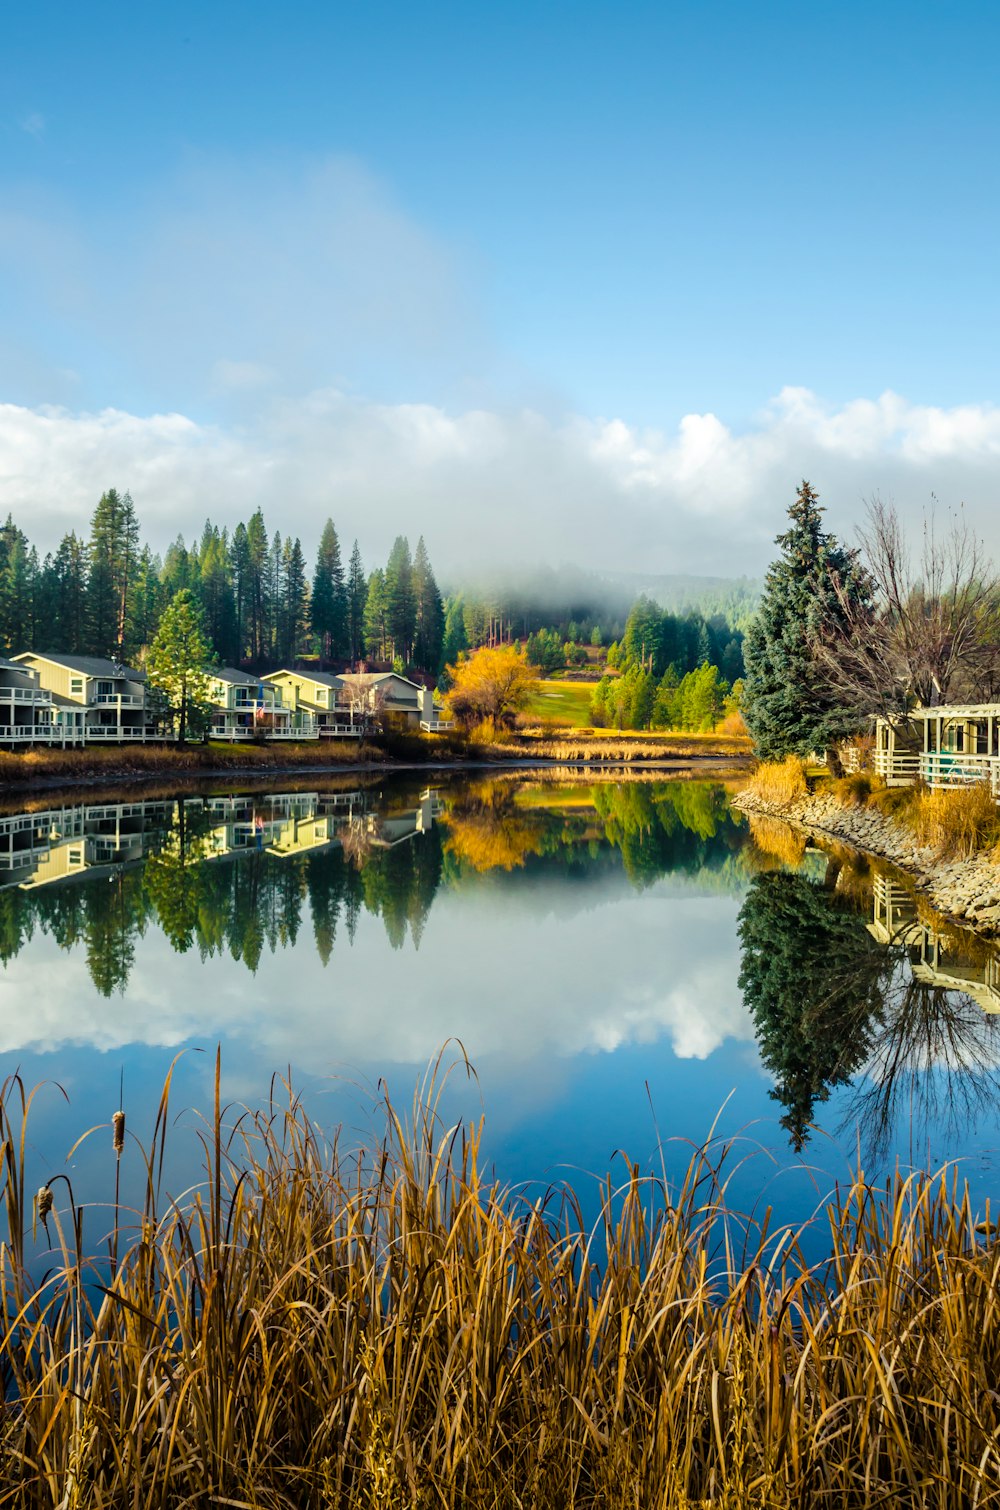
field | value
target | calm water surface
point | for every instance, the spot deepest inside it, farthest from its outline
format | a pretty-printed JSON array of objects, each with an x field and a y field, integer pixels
[{"x": 627, "y": 964}]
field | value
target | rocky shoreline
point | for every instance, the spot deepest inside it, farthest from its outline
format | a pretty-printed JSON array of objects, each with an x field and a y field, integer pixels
[{"x": 967, "y": 891}]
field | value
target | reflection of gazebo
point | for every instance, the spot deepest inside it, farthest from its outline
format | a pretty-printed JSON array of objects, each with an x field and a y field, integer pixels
[{"x": 946, "y": 960}]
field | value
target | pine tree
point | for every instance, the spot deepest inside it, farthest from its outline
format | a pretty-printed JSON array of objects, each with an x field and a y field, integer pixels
[
  {"x": 377, "y": 616},
  {"x": 239, "y": 561},
  {"x": 357, "y": 597},
  {"x": 788, "y": 709},
  {"x": 329, "y": 611},
  {"x": 178, "y": 661},
  {"x": 455, "y": 638},
  {"x": 114, "y": 553},
  {"x": 429, "y": 638},
  {"x": 401, "y": 603},
  {"x": 294, "y": 602},
  {"x": 256, "y": 600},
  {"x": 65, "y": 575}
]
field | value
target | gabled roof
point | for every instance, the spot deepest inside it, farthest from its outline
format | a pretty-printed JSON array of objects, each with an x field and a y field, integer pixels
[
  {"x": 87, "y": 665},
  {"x": 6, "y": 665},
  {"x": 320, "y": 678},
  {"x": 373, "y": 678},
  {"x": 234, "y": 677}
]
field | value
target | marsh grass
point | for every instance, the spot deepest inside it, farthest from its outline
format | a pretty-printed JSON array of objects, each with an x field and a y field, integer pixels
[
  {"x": 318, "y": 1326},
  {"x": 779, "y": 782},
  {"x": 97, "y": 762}
]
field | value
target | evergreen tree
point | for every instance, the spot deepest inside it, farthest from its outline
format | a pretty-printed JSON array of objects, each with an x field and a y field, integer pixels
[
  {"x": 455, "y": 638},
  {"x": 150, "y": 596},
  {"x": 400, "y": 599},
  {"x": 294, "y": 600},
  {"x": 429, "y": 640},
  {"x": 376, "y": 621},
  {"x": 256, "y": 596},
  {"x": 114, "y": 553},
  {"x": 239, "y": 561},
  {"x": 357, "y": 597},
  {"x": 178, "y": 662},
  {"x": 328, "y": 608},
  {"x": 66, "y": 598},
  {"x": 788, "y": 709}
]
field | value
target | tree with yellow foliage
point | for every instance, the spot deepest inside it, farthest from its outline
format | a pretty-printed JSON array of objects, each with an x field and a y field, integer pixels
[{"x": 491, "y": 683}]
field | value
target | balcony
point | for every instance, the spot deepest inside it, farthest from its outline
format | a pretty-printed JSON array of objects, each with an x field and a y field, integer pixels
[
  {"x": 116, "y": 732},
  {"x": 436, "y": 725},
  {"x": 114, "y": 699},
  {"x": 26, "y": 733},
  {"x": 36, "y": 695}
]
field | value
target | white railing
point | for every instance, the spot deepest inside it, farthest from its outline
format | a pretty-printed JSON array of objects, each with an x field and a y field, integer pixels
[
  {"x": 115, "y": 732},
  {"x": 26, "y": 695},
  {"x": 340, "y": 731},
  {"x": 897, "y": 767},
  {"x": 436, "y": 725},
  {"x": 944, "y": 768},
  {"x": 127, "y": 699},
  {"x": 26, "y": 733}
]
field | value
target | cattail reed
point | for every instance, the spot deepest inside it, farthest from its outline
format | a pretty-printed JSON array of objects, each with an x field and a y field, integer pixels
[
  {"x": 389, "y": 1326},
  {"x": 118, "y": 1125}
]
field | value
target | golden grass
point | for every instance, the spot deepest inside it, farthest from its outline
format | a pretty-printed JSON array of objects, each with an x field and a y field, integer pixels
[
  {"x": 779, "y": 782},
  {"x": 956, "y": 823},
  {"x": 316, "y": 1328},
  {"x": 98, "y": 762}
]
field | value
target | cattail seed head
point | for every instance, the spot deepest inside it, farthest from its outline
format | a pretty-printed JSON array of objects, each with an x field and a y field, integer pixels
[
  {"x": 44, "y": 1200},
  {"x": 118, "y": 1124}
]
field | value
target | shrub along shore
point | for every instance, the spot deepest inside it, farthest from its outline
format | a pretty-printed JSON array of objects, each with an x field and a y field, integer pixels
[
  {"x": 142, "y": 761},
  {"x": 316, "y": 1325},
  {"x": 947, "y": 842}
]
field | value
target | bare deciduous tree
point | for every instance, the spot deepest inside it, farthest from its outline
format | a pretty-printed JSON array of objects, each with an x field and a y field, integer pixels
[{"x": 931, "y": 633}]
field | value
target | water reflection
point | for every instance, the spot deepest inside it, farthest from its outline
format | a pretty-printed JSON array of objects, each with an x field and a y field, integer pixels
[
  {"x": 239, "y": 874},
  {"x": 850, "y": 987}
]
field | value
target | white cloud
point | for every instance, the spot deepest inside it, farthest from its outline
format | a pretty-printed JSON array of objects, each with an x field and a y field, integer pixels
[{"x": 486, "y": 485}]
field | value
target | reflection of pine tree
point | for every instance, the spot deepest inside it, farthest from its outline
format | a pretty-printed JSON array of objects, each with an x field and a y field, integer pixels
[
  {"x": 325, "y": 886},
  {"x": 16, "y": 923},
  {"x": 814, "y": 980},
  {"x": 115, "y": 915}
]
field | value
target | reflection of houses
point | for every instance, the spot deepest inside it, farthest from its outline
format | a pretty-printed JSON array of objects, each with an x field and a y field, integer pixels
[
  {"x": 92, "y": 698},
  {"x": 249, "y": 707},
  {"x": 945, "y": 746},
  {"x": 39, "y": 848},
  {"x": 950, "y": 961},
  {"x": 352, "y": 703},
  {"x": 25, "y": 706},
  {"x": 60, "y": 843}
]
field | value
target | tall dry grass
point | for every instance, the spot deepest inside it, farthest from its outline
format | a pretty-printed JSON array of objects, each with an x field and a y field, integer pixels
[
  {"x": 779, "y": 782},
  {"x": 317, "y": 1327},
  {"x": 90, "y": 762},
  {"x": 957, "y": 822}
]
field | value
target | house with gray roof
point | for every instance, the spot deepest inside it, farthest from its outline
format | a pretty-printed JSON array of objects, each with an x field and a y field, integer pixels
[{"x": 92, "y": 698}]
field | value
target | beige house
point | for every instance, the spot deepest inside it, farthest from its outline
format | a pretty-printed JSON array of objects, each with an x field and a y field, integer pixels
[
  {"x": 25, "y": 706},
  {"x": 353, "y": 702},
  {"x": 250, "y": 707},
  {"x": 92, "y": 698}
]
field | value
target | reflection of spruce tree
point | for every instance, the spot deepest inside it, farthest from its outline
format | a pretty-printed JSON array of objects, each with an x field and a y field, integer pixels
[
  {"x": 814, "y": 979},
  {"x": 427, "y": 864},
  {"x": 246, "y": 933},
  {"x": 60, "y": 911},
  {"x": 388, "y": 885},
  {"x": 114, "y": 916}
]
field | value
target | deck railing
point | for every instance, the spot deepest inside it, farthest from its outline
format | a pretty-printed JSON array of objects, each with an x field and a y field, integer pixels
[
  {"x": 945, "y": 768},
  {"x": 897, "y": 767}
]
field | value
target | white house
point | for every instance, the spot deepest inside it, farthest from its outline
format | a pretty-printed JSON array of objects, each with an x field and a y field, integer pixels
[
  {"x": 950, "y": 745},
  {"x": 352, "y": 702}
]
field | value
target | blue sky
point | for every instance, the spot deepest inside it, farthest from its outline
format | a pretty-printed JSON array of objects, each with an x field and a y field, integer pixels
[{"x": 532, "y": 223}]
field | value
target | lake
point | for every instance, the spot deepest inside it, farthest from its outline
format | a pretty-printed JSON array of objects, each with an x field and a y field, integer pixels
[{"x": 628, "y": 965}]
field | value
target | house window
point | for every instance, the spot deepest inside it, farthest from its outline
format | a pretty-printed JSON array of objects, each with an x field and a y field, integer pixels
[
  {"x": 76, "y": 685},
  {"x": 321, "y": 697}
]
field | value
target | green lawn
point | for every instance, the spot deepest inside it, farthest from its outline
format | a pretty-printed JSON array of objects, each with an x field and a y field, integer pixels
[{"x": 565, "y": 703}]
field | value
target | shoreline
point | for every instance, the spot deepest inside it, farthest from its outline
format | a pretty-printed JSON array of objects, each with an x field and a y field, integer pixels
[
  {"x": 703, "y": 767},
  {"x": 965, "y": 892}
]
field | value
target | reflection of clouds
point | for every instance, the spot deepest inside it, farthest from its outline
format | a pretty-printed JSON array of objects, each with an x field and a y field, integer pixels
[{"x": 497, "y": 971}]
